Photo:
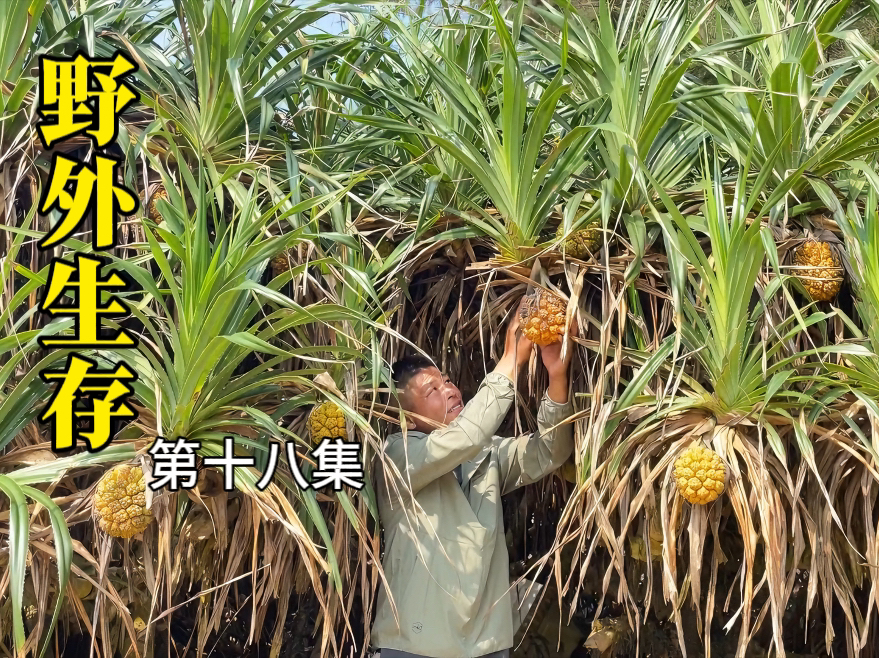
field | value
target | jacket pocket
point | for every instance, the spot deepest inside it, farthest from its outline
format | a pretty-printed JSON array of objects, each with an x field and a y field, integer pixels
[{"x": 460, "y": 565}]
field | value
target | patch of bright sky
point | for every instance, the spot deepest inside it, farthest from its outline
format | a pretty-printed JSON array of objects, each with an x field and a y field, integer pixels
[
  {"x": 331, "y": 24},
  {"x": 339, "y": 15},
  {"x": 335, "y": 22}
]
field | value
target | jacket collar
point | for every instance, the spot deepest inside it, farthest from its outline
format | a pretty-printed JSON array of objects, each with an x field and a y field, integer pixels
[{"x": 416, "y": 434}]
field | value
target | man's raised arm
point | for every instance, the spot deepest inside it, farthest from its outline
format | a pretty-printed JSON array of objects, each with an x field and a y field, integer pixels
[
  {"x": 424, "y": 459},
  {"x": 530, "y": 457}
]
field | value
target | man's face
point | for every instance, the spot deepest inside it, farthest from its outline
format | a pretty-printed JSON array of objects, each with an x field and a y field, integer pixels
[{"x": 431, "y": 394}]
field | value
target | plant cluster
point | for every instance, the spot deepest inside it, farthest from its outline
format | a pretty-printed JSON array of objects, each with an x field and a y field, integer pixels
[{"x": 696, "y": 185}]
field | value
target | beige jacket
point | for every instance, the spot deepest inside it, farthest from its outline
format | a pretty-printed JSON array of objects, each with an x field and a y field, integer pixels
[{"x": 445, "y": 557}]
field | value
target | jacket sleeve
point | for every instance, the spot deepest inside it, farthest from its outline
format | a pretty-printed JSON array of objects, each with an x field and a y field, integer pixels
[
  {"x": 423, "y": 460},
  {"x": 528, "y": 458}
]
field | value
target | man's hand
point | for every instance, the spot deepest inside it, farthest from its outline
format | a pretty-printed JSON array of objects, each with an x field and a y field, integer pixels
[
  {"x": 552, "y": 354},
  {"x": 517, "y": 348},
  {"x": 557, "y": 368}
]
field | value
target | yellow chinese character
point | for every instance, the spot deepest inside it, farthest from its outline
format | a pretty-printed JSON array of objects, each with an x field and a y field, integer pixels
[
  {"x": 93, "y": 190},
  {"x": 73, "y": 393},
  {"x": 82, "y": 99},
  {"x": 87, "y": 308}
]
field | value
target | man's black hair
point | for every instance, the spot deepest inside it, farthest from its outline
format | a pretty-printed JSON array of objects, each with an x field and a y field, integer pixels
[{"x": 409, "y": 366}]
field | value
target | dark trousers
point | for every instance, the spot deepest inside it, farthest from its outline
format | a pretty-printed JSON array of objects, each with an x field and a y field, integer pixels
[{"x": 394, "y": 653}]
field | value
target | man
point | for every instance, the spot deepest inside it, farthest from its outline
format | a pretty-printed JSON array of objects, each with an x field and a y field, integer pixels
[{"x": 446, "y": 560}]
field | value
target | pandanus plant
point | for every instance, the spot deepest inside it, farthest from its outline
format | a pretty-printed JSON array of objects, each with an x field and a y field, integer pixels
[
  {"x": 751, "y": 406},
  {"x": 500, "y": 148},
  {"x": 790, "y": 104}
]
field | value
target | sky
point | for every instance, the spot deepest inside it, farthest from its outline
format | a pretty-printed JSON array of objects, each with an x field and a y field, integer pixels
[
  {"x": 332, "y": 23},
  {"x": 336, "y": 24}
]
